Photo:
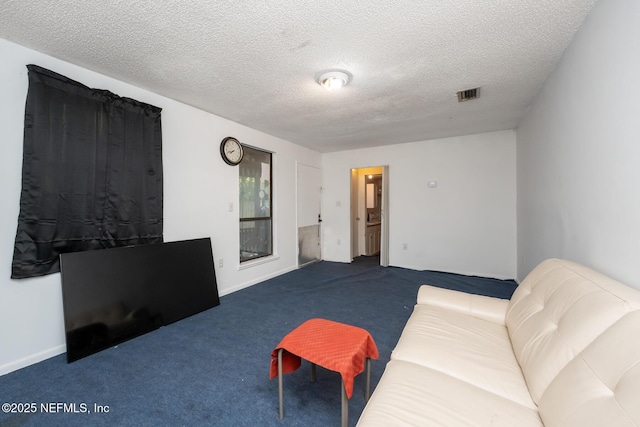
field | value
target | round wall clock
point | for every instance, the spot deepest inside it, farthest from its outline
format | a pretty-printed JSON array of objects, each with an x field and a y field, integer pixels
[{"x": 231, "y": 151}]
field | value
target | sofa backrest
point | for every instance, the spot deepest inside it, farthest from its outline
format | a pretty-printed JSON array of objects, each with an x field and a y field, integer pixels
[{"x": 576, "y": 335}]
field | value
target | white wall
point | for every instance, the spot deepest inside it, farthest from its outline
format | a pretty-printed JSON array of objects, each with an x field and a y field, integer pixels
[
  {"x": 578, "y": 152},
  {"x": 466, "y": 225},
  {"x": 198, "y": 188}
]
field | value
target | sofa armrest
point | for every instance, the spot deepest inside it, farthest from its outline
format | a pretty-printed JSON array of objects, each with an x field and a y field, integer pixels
[{"x": 483, "y": 307}]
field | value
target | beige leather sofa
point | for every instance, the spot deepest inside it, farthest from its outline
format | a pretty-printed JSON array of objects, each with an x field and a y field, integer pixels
[{"x": 564, "y": 351}]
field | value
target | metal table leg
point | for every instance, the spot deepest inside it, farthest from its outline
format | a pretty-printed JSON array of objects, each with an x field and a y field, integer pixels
[
  {"x": 345, "y": 406},
  {"x": 345, "y": 400},
  {"x": 280, "y": 383},
  {"x": 368, "y": 381}
]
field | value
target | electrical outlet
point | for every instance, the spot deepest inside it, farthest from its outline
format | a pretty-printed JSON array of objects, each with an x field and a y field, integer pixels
[
  {"x": 405, "y": 246},
  {"x": 221, "y": 263},
  {"x": 339, "y": 241}
]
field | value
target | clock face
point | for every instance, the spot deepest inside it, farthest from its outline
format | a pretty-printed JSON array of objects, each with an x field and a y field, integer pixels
[{"x": 231, "y": 151}]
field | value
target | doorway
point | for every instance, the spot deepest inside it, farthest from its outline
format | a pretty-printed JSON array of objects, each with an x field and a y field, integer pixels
[
  {"x": 308, "y": 214},
  {"x": 369, "y": 213}
]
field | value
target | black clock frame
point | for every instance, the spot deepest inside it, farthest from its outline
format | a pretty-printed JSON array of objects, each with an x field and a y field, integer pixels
[{"x": 224, "y": 155}]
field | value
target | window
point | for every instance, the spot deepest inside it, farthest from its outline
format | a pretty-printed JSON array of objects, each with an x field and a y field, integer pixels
[{"x": 256, "y": 221}]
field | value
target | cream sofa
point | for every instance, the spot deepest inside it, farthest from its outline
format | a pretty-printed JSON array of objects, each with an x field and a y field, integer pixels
[{"x": 564, "y": 351}]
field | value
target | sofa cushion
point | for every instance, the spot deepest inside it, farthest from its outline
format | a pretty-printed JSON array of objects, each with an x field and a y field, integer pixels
[
  {"x": 465, "y": 347},
  {"x": 556, "y": 312},
  {"x": 414, "y": 395},
  {"x": 600, "y": 386}
]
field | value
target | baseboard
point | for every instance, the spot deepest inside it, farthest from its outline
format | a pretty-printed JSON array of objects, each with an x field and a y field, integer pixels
[
  {"x": 256, "y": 281},
  {"x": 32, "y": 359},
  {"x": 454, "y": 271}
]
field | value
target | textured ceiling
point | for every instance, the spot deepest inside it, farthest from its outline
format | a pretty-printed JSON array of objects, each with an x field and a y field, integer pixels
[{"x": 256, "y": 62}]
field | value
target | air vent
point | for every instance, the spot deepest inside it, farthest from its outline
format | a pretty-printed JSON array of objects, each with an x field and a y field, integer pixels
[{"x": 466, "y": 95}]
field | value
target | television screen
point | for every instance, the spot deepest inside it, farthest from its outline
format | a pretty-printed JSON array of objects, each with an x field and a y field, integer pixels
[{"x": 112, "y": 295}]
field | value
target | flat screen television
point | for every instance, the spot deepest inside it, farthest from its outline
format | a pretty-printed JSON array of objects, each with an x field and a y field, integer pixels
[{"x": 112, "y": 295}]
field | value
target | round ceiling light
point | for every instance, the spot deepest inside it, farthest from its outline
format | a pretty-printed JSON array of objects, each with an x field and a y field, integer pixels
[{"x": 333, "y": 79}]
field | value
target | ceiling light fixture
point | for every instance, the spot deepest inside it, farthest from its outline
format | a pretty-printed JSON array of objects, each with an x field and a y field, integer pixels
[{"x": 333, "y": 79}]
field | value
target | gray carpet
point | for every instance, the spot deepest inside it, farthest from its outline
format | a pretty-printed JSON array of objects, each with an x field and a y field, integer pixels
[{"x": 213, "y": 368}]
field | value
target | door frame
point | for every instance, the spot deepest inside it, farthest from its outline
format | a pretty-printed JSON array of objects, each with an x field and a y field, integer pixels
[
  {"x": 355, "y": 211},
  {"x": 384, "y": 238}
]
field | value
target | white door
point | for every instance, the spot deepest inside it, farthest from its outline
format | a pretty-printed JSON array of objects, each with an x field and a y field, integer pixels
[{"x": 309, "y": 219}]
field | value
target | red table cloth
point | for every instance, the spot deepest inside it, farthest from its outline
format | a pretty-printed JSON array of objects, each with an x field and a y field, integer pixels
[{"x": 332, "y": 345}]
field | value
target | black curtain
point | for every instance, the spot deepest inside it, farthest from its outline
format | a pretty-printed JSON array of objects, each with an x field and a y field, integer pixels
[{"x": 91, "y": 173}]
